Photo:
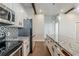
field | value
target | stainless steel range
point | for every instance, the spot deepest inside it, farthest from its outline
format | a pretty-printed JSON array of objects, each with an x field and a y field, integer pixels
[
  {"x": 2, "y": 39},
  {"x": 5, "y": 34}
]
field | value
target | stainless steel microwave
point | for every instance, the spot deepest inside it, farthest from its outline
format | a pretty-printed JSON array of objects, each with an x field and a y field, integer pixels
[{"x": 6, "y": 15}]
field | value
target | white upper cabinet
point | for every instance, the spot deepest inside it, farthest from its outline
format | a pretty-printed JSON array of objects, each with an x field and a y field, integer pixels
[{"x": 20, "y": 13}]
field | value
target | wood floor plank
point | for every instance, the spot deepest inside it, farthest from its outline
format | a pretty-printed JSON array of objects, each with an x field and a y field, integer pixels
[{"x": 40, "y": 49}]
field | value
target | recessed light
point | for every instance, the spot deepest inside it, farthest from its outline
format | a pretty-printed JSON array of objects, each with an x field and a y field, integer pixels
[
  {"x": 62, "y": 10},
  {"x": 21, "y": 10},
  {"x": 53, "y": 3},
  {"x": 77, "y": 8},
  {"x": 59, "y": 18},
  {"x": 40, "y": 10}
]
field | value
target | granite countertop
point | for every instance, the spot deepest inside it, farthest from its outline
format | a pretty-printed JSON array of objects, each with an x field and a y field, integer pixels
[
  {"x": 53, "y": 37},
  {"x": 23, "y": 38},
  {"x": 71, "y": 48},
  {"x": 67, "y": 48}
]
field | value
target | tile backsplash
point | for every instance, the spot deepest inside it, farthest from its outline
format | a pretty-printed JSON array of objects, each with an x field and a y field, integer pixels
[{"x": 11, "y": 32}]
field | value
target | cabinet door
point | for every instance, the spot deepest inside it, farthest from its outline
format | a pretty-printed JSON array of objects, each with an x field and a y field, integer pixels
[{"x": 26, "y": 47}]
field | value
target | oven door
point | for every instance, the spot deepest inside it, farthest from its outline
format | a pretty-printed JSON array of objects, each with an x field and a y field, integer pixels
[{"x": 2, "y": 39}]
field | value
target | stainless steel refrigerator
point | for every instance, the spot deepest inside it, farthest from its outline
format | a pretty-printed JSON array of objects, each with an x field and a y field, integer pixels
[{"x": 26, "y": 31}]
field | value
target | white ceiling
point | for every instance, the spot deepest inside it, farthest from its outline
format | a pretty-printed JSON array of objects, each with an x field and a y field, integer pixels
[
  {"x": 48, "y": 8},
  {"x": 28, "y": 8}
]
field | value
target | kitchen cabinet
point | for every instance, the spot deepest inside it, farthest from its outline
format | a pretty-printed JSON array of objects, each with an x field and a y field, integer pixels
[
  {"x": 55, "y": 49},
  {"x": 19, "y": 23},
  {"x": 20, "y": 13},
  {"x": 26, "y": 47},
  {"x": 49, "y": 45}
]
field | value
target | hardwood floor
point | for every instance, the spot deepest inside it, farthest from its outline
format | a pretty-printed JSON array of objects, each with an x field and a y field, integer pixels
[{"x": 40, "y": 49}]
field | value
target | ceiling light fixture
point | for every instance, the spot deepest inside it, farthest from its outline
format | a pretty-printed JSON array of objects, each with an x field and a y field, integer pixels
[
  {"x": 62, "y": 10},
  {"x": 40, "y": 11},
  {"x": 21, "y": 10},
  {"x": 77, "y": 8},
  {"x": 53, "y": 3}
]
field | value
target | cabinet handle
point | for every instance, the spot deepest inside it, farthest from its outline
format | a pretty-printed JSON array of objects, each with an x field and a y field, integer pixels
[
  {"x": 55, "y": 46},
  {"x": 59, "y": 55},
  {"x": 20, "y": 23},
  {"x": 52, "y": 48},
  {"x": 27, "y": 47}
]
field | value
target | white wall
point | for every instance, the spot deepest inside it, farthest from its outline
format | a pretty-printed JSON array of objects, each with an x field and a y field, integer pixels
[
  {"x": 49, "y": 24},
  {"x": 77, "y": 32},
  {"x": 67, "y": 29},
  {"x": 56, "y": 30},
  {"x": 38, "y": 27}
]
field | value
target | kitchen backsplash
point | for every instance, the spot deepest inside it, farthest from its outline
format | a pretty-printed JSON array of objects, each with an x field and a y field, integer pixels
[{"x": 11, "y": 32}]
